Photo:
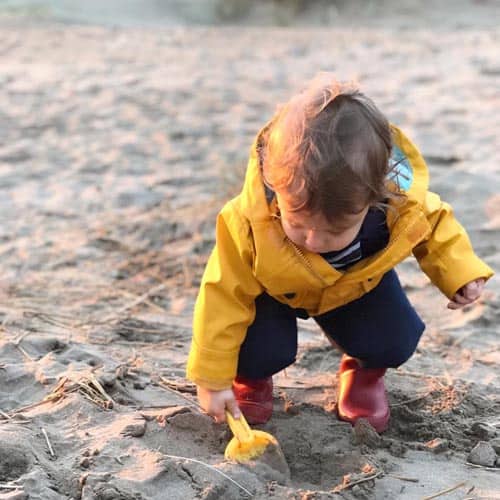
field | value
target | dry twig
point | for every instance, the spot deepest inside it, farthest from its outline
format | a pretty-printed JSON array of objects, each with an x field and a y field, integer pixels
[
  {"x": 211, "y": 467},
  {"x": 343, "y": 487},
  {"x": 51, "y": 450},
  {"x": 165, "y": 385},
  {"x": 444, "y": 492},
  {"x": 5, "y": 415},
  {"x": 477, "y": 466},
  {"x": 413, "y": 400},
  {"x": 179, "y": 386},
  {"x": 92, "y": 390},
  {"x": 402, "y": 478},
  {"x": 134, "y": 303},
  {"x": 86, "y": 385}
]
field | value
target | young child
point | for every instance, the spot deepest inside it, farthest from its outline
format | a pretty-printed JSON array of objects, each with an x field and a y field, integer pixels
[{"x": 334, "y": 198}]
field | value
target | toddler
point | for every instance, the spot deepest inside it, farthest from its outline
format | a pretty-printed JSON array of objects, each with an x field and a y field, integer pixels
[{"x": 334, "y": 198}]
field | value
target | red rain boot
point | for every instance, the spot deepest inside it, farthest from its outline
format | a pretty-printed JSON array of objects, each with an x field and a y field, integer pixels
[
  {"x": 362, "y": 394},
  {"x": 255, "y": 398}
]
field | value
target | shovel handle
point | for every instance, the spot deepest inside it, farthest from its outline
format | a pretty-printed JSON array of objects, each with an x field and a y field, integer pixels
[{"x": 240, "y": 428}]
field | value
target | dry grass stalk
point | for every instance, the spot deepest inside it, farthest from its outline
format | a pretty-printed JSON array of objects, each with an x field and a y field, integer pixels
[
  {"x": 343, "y": 487},
  {"x": 148, "y": 302},
  {"x": 179, "y": 386},
  {"x": 444, "y": 492},
  {"x": 477, "y": 466},
  {"x": 51, "y": 450},
  {"x": 55, "y": 395},
  {"x": 402, "y": 478},
  {"x": 406, "y": 373},
  {"x": 5, "y": 415},
  {"x": 92, "y": 390},
  {"x": 211, "y": 467},
  {"x": 413, "y": 400},
  {"x": 164, "y": 383},
  {"x": 24, "y": 353},
  {"x": 87, "y": 385},
  {"x": 139, "y": 300}
]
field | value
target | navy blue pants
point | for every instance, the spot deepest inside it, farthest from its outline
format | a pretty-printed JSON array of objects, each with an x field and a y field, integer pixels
[{"x": 381, "y": 328}]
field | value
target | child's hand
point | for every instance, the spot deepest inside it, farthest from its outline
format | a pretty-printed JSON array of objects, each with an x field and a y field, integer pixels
[
  {"x": 467, "y": 294},
  {"x": 215, "y": 403}
]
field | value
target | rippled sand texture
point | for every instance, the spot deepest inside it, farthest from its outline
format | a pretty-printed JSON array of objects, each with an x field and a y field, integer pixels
[{"x": 117, "y": 147}]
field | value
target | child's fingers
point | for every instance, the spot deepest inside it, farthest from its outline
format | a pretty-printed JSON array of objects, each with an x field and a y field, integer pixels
[
  {"x": 233, "y": 408},
  {"x": 468, "y": 294},
  {"x": 473, "y": 290},
  {"x": 219, "y": 414},
  {"x": 458, "y": 301}
]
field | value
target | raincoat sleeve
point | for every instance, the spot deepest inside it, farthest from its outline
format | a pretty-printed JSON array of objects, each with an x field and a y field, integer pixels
[
  {"x": 225, "y": 306},
  {"x": 447, "y": 256}
]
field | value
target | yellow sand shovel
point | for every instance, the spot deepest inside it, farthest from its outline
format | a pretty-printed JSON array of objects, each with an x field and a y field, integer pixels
[{"x": 249, "y": 445}]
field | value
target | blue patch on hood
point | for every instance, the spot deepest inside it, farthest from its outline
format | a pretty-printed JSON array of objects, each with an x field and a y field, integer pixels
[{"x": 400, "y": 169}]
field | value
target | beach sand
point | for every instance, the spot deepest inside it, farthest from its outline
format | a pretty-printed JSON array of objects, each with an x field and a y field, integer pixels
[{"x": 117, "y": 148}]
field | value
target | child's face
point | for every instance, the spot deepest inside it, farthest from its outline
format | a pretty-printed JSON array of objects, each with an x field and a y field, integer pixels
[{"x": 314, "y": 232}]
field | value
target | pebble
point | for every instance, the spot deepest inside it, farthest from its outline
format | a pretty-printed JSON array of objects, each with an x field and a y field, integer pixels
[
  {"x": 482, "y": 454},
  {"x": 135, "y": 429},
  {"x": 495, "y": 443},
  {"x": 357, "y": 491}
]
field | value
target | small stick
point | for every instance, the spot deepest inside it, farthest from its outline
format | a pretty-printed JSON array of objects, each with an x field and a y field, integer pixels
[
  {"x": 100, "y": 389},
  {"x": 443, "y": 492},
  {"x": 187, "y": 274},
  {"x": 141, "y": 298},
  {"x": 48, "y": 443},
  {"x": 411, "y": 400},
  {"x": 494, "y": 469},
  {"x": 180, "y": 386},
  {"x": 212, "y": 468},
  {"x": 350, "y": 485},
  {"x": 165, "y": 386},
  {"x": 116, "y": 314},
  {"x": 8, "y": 487},
  {"x": 406, "y": 373},
  {"x": 21, "y": 337},
  {"x": 25, "y": 353},
  {"x": 401, "y": 478},
  {"x": 34, "y": 405},
  {"x": 5, "y": 415}
]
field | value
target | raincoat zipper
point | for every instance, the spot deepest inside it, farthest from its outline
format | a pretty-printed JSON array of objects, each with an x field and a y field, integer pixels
[{"x": 306, "y": 261}]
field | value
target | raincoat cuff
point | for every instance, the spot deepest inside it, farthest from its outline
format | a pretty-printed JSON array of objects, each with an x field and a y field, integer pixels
[
  {"x": 211, "y": 369},
  {"x": 474, "y": 269}
]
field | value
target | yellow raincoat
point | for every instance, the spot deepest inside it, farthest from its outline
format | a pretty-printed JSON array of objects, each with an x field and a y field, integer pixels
[{"x": 253, "y": 255}]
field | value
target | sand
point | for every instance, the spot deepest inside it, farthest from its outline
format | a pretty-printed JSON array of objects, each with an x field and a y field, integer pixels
[{"x": 117, "y": 148}]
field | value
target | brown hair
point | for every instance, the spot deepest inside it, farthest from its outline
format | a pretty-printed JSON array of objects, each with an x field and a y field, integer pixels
[{"x": 328, "y": 148}]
